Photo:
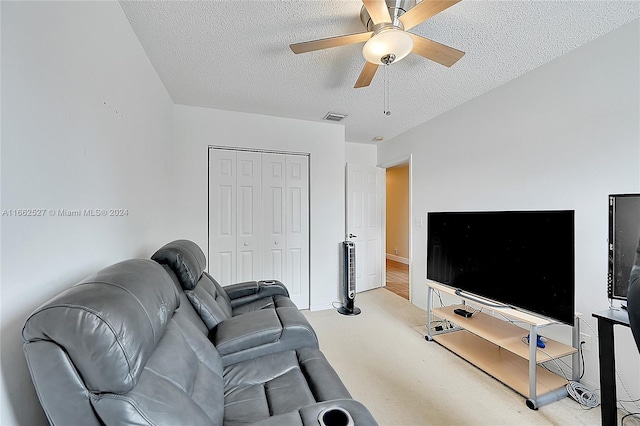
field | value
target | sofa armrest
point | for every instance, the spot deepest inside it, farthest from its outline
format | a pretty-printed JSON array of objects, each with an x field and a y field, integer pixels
[
  {"x": 249, "y": 291},
  {"x": 242, "y": 289},
  {"x": 296, "y": 330},
  {"x": 250, "y": 330},
  {"x": 262, "y": 332}
]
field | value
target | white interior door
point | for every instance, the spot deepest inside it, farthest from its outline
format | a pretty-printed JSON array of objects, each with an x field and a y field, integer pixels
[{"x": 364, "y": 223}]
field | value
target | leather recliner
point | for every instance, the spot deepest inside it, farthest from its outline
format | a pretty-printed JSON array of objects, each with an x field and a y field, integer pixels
[
  {"x": 244, "y": 320},
  {"x": 117, "y": 349}
]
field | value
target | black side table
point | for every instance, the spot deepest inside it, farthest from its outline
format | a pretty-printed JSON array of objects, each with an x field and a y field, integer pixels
[{"x": 606, "y": 320}]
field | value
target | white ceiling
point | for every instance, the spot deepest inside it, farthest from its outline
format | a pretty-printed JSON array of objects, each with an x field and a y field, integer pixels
[{"x": 234, "y": 55}]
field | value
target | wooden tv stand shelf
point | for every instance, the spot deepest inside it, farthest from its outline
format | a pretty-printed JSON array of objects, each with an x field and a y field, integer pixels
[{"x": 495, "y": 346}]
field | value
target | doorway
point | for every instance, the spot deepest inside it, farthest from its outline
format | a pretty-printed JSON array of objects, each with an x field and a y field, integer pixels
[{"x": 398, "y": 229}]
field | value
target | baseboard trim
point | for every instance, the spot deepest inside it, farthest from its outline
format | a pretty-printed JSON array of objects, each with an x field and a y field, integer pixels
[{"x": 397, "y": 258}]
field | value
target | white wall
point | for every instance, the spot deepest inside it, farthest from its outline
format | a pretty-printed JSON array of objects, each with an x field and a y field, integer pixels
[
  {"x": 86, "y": 123},
  {"x": 361, "y": 153},
  {"x": 197, "y": 128},
  {"x": 563, "y": 136}
]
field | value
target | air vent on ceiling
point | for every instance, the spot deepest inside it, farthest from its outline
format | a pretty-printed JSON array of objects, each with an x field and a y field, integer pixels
[{"x": 334, "y": 116}]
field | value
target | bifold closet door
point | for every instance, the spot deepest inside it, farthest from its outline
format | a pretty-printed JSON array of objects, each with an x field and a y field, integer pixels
[{"x": 259, "y": 219}]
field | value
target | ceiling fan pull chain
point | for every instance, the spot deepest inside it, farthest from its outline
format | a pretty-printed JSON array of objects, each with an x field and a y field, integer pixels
[{"x": 387, "y": 110}]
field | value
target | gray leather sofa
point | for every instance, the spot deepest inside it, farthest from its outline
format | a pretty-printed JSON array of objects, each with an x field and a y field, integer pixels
[
  {"x": 243, "y": 320},
  {"x": 118, "y": 348}
]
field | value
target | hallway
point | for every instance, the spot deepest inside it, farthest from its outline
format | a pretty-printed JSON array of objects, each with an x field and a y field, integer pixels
[{"x": 398, "y": 278}]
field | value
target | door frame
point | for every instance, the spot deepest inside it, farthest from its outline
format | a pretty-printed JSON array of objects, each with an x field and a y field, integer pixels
[{"x": 404, "y": 159}]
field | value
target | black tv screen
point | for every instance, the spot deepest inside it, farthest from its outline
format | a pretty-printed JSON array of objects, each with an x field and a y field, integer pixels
[
  {"x": 522, "y": 259},
  {"x": 624, "y": 232}
]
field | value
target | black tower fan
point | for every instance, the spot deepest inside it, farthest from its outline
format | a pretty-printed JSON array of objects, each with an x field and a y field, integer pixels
[{"x": 348, "y": 279}]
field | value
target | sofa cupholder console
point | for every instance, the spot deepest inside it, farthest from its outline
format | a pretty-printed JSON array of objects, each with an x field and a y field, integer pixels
[{"x": 335, "y": 417}]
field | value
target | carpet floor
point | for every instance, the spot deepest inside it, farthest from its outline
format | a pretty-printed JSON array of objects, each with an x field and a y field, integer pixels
[{"x": 385, "y": 362}]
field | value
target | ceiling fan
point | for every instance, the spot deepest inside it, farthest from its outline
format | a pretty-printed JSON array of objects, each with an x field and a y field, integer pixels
[{"x": 387, "y": 39}]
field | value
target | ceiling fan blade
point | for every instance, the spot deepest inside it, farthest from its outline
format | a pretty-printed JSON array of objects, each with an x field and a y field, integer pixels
[
  {"x": 366, "y": 75},
  {"x": 326, "y": 43},
  {"x": 377, "y": 10},
  {"x": 423, "y": 11},
  {"x": 435, "y": 51}
]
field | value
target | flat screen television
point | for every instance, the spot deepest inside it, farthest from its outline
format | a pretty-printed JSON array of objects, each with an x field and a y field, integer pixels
[
  {"x": 624, "y": 233},
  {"x": 522, "y": 259}
]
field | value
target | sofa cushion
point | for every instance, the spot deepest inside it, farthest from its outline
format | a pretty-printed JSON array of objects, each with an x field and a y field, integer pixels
[
  {"x": 109, "y": 323},
  {"x": 181, "y": 384},
  {"x": 185, "y": 304},
  {"x": 277, "y": 384},
  {"x": 210, "y": 301}
]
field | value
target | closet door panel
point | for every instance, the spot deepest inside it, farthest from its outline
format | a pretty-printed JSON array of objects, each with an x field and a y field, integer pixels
[
  {"x": 297, "y": 228},
  {"x": 249, "y": 178},
  {"x": 222, "y": 215},
  {"x": 273, "y": 203}
]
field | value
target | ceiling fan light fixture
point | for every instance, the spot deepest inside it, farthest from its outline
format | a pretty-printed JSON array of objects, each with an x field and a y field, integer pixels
[{"x": 387, "y": 43}]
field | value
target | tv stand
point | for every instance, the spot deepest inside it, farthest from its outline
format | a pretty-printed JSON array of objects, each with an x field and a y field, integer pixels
[{"x": 495, "y": 346}]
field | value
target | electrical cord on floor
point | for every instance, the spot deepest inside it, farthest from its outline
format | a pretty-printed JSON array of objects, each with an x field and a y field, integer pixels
[
  {"x": 619, "y": 402},
  {"x": 576, "y": 390},
  {"x": 583, "y": 396}
]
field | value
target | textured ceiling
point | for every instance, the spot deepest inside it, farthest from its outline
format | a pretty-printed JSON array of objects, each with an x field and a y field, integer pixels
[{"x": 234, "y": 55}]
